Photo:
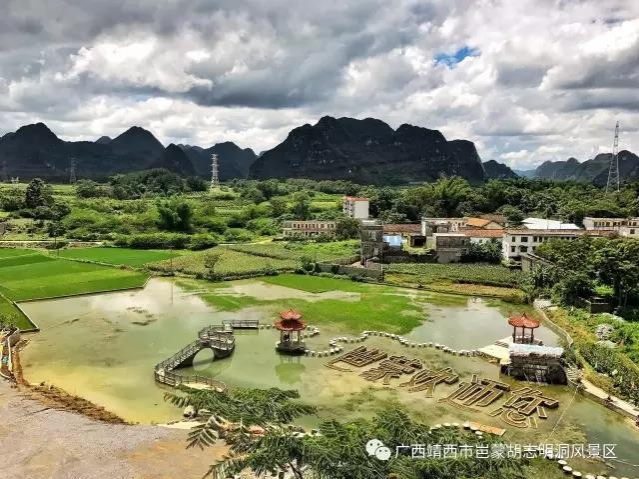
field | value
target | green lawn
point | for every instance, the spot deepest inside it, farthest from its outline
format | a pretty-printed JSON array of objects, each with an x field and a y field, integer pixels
[
  {"x": 295, "y": 251},
  {"x": 487, "y": 274},
  {"x": 314, "y": 284},
  {"x": 373, "y": 307},
  {"x": 232, "y": 263},
  {"x": 119, "y": 256},
  {"x": 35, "y": 275}
]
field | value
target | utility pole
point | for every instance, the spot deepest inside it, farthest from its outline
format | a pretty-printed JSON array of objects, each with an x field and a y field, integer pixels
[
  {"x": 215, "y": 178},
  {"x": 72, "y": 165},
  {"x": 613, "y": 172},
  {"x": 5, "y": 175}
]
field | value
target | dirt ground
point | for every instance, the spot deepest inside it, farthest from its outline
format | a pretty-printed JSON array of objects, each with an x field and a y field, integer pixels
[{"x": 38, "y": 442}]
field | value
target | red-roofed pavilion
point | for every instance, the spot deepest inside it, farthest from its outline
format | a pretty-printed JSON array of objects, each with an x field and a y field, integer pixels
[
  {"x": 527, "y": 326},
  {"x": 290, "y": 326}
]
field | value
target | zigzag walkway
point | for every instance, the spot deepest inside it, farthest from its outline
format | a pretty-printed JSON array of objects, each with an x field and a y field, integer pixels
[{"x": 217, "y": 337}]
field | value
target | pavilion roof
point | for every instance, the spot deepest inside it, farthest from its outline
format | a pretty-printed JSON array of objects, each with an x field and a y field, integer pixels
[
  {"x": 523, "y": 321},
  {"x": 290, "y": 320}
]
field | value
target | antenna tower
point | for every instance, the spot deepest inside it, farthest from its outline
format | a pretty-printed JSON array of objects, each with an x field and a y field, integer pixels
[
  {"x": 613, "y": 172},
  {"x": 72, "y": 177},
  {"x": 215, "y": 179}
]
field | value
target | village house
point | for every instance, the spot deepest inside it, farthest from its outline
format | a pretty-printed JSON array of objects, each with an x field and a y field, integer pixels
[
  {"x": 518, "y": 241},
  {"x": 546, "y": 224},
  {"x": 308, "y": 229},
  {"x": 355, "y": 207},
  {"x": 482, "y": 224},
  {"x": 411, "y": 233},
  {"x": 479, "y": 236},
  {"x": 628, "y": 227},
  {"x": 441, "y": 225},
  {"x": 450, "y": 247}
]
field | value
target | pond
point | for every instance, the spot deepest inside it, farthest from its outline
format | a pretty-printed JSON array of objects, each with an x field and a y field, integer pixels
[{"x": 103, "y": 348}]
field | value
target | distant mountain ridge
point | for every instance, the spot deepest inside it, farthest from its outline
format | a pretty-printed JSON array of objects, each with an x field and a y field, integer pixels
[
  {"x": 498, "y": 171},
  {"x": 594, "y": 170},
  {"x": 35, "y": 151},
  {"x": 368, "y": 151}
]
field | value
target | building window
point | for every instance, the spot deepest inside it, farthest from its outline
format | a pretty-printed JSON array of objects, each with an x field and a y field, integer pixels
[
  {"x": 512, "y": 249},
  {"x": 632, "y": 232},
  {"x": 524, "y": 249},
  {"x": 524, "y": 239}
]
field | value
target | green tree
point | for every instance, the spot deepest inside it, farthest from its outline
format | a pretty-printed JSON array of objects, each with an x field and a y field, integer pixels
[
  {"x": 38, "y": 193},
  {"x": 211, "y": 260},
  {"x": 347, "y": 228},
  {"x": 278, "y": 206},
  {"x": 301, "y": 208},
  {"x": 175, "y": 215}
]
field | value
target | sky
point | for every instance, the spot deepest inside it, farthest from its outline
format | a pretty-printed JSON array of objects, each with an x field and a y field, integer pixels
[{"x": 526, "y": 80}]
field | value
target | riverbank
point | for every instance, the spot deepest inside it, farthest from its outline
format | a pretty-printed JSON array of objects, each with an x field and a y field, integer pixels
[{"x": 39, "y": 441}]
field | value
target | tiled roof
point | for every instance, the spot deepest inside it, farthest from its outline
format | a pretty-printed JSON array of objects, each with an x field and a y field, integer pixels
[
  {"x": 403, "y": 228},
  {"x": 579, "y": 232},
  {"x": 477, "y": 222},
  {"x": 483, "y": 233}
]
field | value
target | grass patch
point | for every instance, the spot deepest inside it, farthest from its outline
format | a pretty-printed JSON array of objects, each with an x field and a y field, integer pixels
[
  {"x": 39, "y": 276},
  {"x": 13, "y": 252},
  {"x": 295, "y": 251},
  {"x": 119, "y": 256},
  {"x": 314, "y": 284},
  {"x": 509, "y": 294},
  {"x": 9, "y": 313},
  {"x": 232, "y": 263},
  {"x": 464, "y": 273}
]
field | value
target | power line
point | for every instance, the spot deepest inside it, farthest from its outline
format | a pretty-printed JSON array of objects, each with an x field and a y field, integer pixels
[
  {"x": 215, "y": 178},
  {"x": 613, "y": 172}
]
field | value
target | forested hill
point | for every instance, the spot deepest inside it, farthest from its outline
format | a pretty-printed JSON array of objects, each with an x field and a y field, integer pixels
[
  {"x": 35, "y": 151},
  {"x": 594, "y": 170},
  {"x": 368, "y": 152}
]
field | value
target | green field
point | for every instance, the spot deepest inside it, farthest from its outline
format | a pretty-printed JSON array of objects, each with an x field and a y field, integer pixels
[
  {"x": 118, "y": 256},
  {"x": 367, "y": 306},
  {"x": 487, "y": 274},
  {"x": 296, "y": 251},
  {"x": 233, "y": 263},
  {"x": 32, "y": 275}
]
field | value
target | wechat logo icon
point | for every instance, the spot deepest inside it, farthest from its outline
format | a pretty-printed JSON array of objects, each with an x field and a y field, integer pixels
[{"x": 376, "y": 448}]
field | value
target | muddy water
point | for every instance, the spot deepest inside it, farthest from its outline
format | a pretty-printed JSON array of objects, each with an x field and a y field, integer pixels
[{"x": 103, "y": 348}]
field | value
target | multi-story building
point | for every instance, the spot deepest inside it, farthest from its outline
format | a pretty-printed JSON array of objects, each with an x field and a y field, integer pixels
[
  {"x": 518, "y": 241},
  {"x": 355, "y": 207},
  {"x": 546, "y": 224},
  {"x": 308, "y": 229},
  {"x": 625, "y": 226},
  {"x": 482, "y": 224},
  {"x": 484, "y": 236},
  {"x": 450, "y": 247},
  {"x": 431, "y": 226},
  {"x": 372, "y": 240}
]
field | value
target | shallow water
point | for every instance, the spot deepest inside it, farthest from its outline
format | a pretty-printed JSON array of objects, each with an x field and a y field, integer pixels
[{"x": 104, "y": 347}]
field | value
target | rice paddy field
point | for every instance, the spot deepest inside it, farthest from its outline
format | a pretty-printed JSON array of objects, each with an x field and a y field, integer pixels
[
  {"x": 232, "y": 263},
  {"x": 28, "y": 275},
  {"x": 119, "y": 256}
]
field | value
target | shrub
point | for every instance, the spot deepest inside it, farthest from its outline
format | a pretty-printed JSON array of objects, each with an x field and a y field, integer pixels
[
  {"x": 154, "y": 241},
  {"x": 203, "y": 241}
]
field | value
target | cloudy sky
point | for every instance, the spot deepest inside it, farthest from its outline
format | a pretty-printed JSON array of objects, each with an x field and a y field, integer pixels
[{"x": 526, "y": 80}]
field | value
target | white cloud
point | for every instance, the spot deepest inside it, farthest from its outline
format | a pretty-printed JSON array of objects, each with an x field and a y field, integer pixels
[{"x": 549, "y": 80}]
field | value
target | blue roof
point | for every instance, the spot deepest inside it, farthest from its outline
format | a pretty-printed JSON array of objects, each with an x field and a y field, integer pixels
[{"x": 393, "y": 240}]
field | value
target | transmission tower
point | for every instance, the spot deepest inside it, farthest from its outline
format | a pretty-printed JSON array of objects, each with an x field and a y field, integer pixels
[
  {"x": 72, "y": 166},
  {"x": 215, "y": 178},
  {"x": 613, "y": 172}
]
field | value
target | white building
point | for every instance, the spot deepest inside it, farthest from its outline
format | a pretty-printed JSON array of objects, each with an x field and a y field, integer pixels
[
  {"x": 628, "y": 227},
  {"x": 543, "y": 224},
  {"x": 518, "y": 241},
  {"x": 308, "y": 229},
  {"x": 442, "y": 225},
  {"x": 484, "y": 236},
  {"x": 355, "y": 207}
]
